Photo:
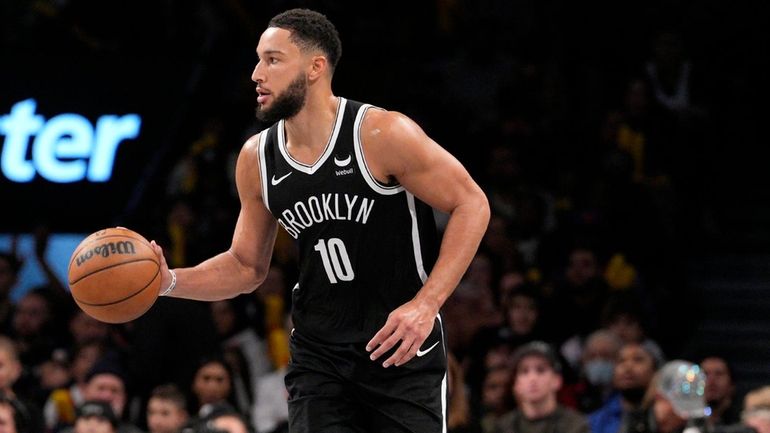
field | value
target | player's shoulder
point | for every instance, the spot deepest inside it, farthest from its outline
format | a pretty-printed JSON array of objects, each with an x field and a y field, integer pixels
[
  {"x": 382, "y": 117},
  {"x": 248, "y": 157},
  {"x": 381, "y": 124},
  {"x": 252, "y": 143}
]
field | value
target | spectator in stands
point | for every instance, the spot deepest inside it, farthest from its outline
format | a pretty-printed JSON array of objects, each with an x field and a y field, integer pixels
[
  {"x": 720, "y": 390},
  {"x": 634, "y": 370},
  {"x": 471, "y": 308},
  {"x": 521, "y": 311},
  {"x": 212, "y": 385},
  {"x": 597, "y": 365},
  {"x": 166, "y": 410},
  {"x": 458, "y": 407},
  {"x": 578, "y": 297},
  {"x": 96, "y": 417},
  {"x": 106, "y": 382},
  {"x": 223, "y": 417},
  {"x": 537, "y": 379},
  {"x": 756, "y": 410},
  {"x": 84, "y": 329},
  {"x": 10, "y": 371},
  {"x": 676, "y": 402},
  {"x": 623, "y": 315},
  {"x": 242, "y": 348},
  {"x": 271, "y": 410},
  {"x": 496, "y": 397},
  {"x": 9, "y": 271},
  {"x": 10, "y": 367},
  {"x": 59, "y": 409},
  {"x": 14, "y": 417},
  {"x": 32, "y": 327}
]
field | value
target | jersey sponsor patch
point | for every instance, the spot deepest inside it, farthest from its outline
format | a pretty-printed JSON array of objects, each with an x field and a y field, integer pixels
[{"x": 342, "y": 162}]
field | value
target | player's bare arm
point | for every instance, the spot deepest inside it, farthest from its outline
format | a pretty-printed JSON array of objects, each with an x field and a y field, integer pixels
[
  {"x": 395, "y": 147},
  {"x": 244, "y": 266}
]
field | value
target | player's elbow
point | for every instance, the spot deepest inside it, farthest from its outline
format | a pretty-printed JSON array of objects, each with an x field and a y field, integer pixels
[
  {"x": 255, "y": 276},
  {"x": 250, "y": 275},
  {"x": 481, "y": 207}
]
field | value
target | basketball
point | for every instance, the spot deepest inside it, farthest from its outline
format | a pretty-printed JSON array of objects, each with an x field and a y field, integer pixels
[{"x": 114, "y": 275}]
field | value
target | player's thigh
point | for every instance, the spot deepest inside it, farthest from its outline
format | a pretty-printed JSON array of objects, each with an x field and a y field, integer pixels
[
  {"x": 409, "y": 398},
  {"x": 320, "y": 403},
  {"x": 403, "y": 417}
]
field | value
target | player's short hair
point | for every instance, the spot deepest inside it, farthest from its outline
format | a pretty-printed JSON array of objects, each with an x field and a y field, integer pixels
[{"x": 311, "y": 30}]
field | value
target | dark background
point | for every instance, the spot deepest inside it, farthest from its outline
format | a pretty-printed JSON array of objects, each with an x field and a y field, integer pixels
[{"x": 540, "y": 80}]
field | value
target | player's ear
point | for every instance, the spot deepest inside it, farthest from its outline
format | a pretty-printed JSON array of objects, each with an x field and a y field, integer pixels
[{"x": 318, "y": 67}]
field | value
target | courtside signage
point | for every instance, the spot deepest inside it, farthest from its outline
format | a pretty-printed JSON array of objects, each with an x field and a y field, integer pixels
[{"x": 65, "y": 148}]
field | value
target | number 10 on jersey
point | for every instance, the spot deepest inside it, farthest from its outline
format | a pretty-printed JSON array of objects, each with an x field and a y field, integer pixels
[{"x": 335, "y": 259}]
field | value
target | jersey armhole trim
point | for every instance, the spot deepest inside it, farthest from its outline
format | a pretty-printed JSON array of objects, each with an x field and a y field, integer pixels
[
  {"x": 416, "y": 246},
  {"x": 263, "y": 166},
  {"x": 373, "y": 183}
]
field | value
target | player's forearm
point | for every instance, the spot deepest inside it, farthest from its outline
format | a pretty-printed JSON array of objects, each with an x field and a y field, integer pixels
[
  {"x": 467, "y": 225},
  {"x": 220, "y": 277}
]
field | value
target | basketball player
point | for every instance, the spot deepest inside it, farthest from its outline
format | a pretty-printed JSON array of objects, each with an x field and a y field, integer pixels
[{"x": 354, "y": 185}]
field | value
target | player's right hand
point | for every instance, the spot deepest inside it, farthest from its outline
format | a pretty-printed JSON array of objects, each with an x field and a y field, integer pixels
[{"x": 165, "y": 275}]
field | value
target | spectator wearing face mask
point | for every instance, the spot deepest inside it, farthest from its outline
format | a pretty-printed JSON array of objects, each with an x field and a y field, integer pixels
[{"x": 594, "y": 386}]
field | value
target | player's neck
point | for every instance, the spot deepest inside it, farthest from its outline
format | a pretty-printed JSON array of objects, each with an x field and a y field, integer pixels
[{"x": 313, "y": 125}]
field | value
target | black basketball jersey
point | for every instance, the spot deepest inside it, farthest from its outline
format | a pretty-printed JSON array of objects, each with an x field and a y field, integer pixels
[{"x": 365, "y": 247}]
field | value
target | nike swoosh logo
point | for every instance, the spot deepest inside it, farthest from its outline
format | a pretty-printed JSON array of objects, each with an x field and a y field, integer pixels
[
  {"x": 342, "y": 162},
  {"x": 421, "y": 353},
  {"x": 275, "y": 181}
]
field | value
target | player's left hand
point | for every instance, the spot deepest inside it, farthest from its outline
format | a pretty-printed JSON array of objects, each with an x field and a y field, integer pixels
[{"x": 409, "y": 324}]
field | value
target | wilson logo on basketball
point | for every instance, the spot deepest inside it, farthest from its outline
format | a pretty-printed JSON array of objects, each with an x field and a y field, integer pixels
[{"x": 104, "y": 250}]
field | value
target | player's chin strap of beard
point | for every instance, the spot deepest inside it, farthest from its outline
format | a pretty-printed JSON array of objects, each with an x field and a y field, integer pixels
[{"x": 171, "y": 286}]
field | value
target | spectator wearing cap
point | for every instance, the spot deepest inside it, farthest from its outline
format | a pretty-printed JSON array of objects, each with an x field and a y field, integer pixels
[
  {"x": 720, "y": 390},
  {"x": 537, "y": 379},
  {"x": 634, "y": 370},
  {"x": 222, "y": 417},
  {"x": 106, "y": 382},
  {"x": 96, "y": 417}
]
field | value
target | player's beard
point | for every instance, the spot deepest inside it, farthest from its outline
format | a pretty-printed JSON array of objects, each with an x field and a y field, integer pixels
[{"x": 287, "y": 104}]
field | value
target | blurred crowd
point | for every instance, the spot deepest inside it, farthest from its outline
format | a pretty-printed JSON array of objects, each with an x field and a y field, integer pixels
[{"x": 593, "y": 138}]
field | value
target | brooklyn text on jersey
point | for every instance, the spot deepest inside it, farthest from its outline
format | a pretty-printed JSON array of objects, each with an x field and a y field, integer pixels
[{"x": 327, "y": 207}]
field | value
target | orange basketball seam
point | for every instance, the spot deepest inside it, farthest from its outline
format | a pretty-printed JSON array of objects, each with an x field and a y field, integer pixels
[
  {"x": 121, "y": 300},
  {"x": 112, "y": 266}
]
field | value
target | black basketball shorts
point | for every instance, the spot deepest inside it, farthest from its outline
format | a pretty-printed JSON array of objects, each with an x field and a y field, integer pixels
[{"x": 338, "y": 389}]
